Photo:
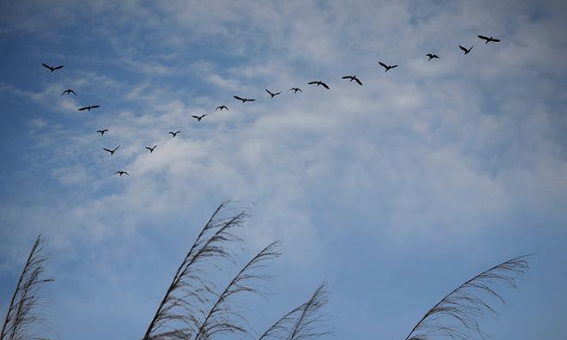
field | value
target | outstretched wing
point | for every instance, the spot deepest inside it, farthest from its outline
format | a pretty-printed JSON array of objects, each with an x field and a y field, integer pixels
[
  {"x": 105, "y": 149},
  {"x": 82, "y": 108},
  {"x": 495, "y": 40},
  {"x": 383, "y": 65},
  {"x": 275, "y": 94},
  {"x": 358, "y": 81},
  {"x": 463, "y": 49},
  {"x": 46, "y": 66},
  {"x": 271, "y": 94},
  {"x": 483, "y": 37},
  {"x": 347, "y": 77},
  {"x": 313, "y": 82},
  {"x": 73, "y": 92},
  {"x": 250, "y": 100},
  {"x": 58, "y": 67},
  {"x": 196, "y": 117},
  {"x": 393, "y": 66},
  {"x": 95, "y": 106},
  {"x": 239, "y": 98},
  {"x": 325, "y": 86}
]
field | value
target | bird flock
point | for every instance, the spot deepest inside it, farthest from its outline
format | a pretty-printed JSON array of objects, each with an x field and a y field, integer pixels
[{"x": 244, "y": 100}]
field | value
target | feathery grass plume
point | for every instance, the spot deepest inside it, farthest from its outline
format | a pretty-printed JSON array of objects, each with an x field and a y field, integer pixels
[
  {"x": 304, "y": 322},
  {"x": 224, "y": 316},
  {"x": 190, "y": 290},
  {"x": 21, "y": 317},
  {"x": 455, "y": 316}
]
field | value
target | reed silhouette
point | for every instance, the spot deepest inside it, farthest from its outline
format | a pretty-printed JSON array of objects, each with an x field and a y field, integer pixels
[{"x": 21, "y": 319}]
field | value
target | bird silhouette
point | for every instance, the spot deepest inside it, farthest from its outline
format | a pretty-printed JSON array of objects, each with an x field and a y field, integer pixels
[
  {"x": 198, "y": 117},
  {"x": 272, "y": 93},
  {"x": 351, "y": 78},
  {"x": 88, "y": 108},
  {"x": 122, "y": 172},
  {"x": 431, "y": 56},
  {"x": 318, "y": 82},
  {"x": 295, "y": 89},
  {"x": 111, "y": 151},
  {"x": 488, "y": 39},
  {"x": 464, "y": 49},
  {"x": 51, "y": 68},
  {"x": 244, "y": 100},
  {"x": 151, "y": 149},
  {"x": 387, "y": 67},
  {"x": 102, "y": 131},
  {"x": 68, "y": 91},
  {"x": 174, "y": 134},
  {"x": 222, "y": 107}
]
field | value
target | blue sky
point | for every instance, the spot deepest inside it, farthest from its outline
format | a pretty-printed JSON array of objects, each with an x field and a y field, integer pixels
[{"x": 394, "y": 192}]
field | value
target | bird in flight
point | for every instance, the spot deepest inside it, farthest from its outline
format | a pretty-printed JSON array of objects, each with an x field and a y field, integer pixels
[
  {"x": 464, "y": 49},
  {"x": 51, "y": 68},
  {"x": 488, "y": 39},
  {"x": 387, "y": 67},
  {"x": 295, "y": 89},
  {"x": 351, "y": 78},
  {"x": 272, "y": 93},
  {"x": 122, "y": 172},
  {"x": 244, "y": 100},
  {"x": 111, "y": 151},
  {"x": 198, "y": 117},
  {"x": 318, "y": 82},
  {"x": 102, "y": 131},
  {"x": 222, "y": 107},
  {"x": 174, "y": 134},
  {"x": 431, "y": 56},
  {"x": 88, "y": 108},
  {"x": 68, "y": 91},
  {"x": 151, "y": 149}
]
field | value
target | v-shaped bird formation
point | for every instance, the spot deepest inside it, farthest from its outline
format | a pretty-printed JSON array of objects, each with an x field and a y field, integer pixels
[{"x": 295, "y": 90}]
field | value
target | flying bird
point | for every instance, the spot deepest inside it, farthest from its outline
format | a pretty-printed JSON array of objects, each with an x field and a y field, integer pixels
[
  {"x": 88, "y": 108},
  {"x": 351, "y": 78},
  {"x": 111, "y": 151},
  {"x": 387, "y": 67},
  {"x": 222, "y": 107},
  {"x": 318, "y": 82},
  {"x": 431, "y": 56},
  {"x": 151, "y": 149},
  {"x": 488, "y": 39},
  {"x": 174, "y": 134},
  {"x": 272, "y": 93},
  {"x": 102, "y": 131},
  {"x": 51, "y": 68},
  {"x": 464, "y": 49},
  {"x": 122, "y": 172},
  {"x": 295, "y": 89},
  {"x": 68, "y": 91},
  {"x": 198, "y": 117},
  {"x": 244, "y": 100}
]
